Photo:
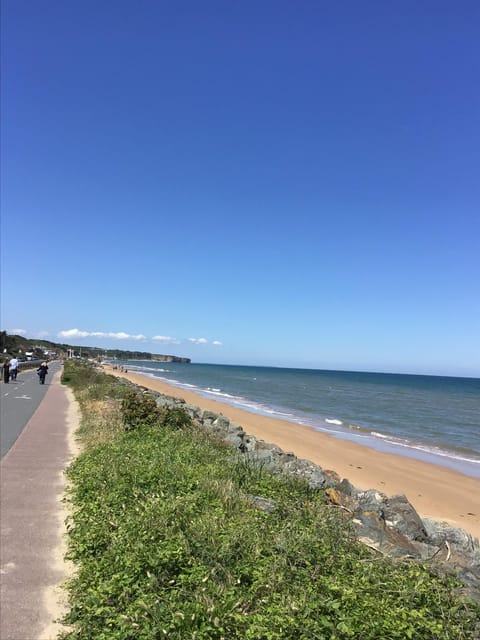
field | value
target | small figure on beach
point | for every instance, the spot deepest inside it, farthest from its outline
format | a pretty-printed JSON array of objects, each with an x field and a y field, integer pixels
[
  {"x": 6, "y": 371},
  {"x": 13, "y": 368},
  {"x": 42, "y": 372}
]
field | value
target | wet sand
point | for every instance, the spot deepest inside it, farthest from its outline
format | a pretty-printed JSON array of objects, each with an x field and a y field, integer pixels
[{"x": 435, "y": 492}]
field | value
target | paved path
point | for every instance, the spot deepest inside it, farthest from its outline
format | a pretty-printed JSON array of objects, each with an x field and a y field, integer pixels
[
  {"x": 31, "y": 488},
  {"x": 18, "y": 402}
]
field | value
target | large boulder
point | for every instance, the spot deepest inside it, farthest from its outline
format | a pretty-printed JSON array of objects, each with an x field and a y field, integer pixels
[{"x": 400, "y": 516}]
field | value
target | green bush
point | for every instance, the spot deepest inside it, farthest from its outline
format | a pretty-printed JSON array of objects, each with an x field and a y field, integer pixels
[
  {"x": 175, "y": 418},
  {"x": 139, "y": 409}
]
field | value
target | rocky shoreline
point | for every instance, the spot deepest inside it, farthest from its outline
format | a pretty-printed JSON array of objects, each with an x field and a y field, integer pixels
[{"x": 388, "y": 526}]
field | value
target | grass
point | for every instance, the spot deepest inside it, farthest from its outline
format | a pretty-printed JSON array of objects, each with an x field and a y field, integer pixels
[{"x": 169, "y": 544}]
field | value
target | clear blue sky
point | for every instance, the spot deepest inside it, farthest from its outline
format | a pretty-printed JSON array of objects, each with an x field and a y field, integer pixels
[{"x": 258, "y": 182}]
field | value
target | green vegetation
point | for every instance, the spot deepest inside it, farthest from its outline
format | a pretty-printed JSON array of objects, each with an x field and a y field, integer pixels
[{"x": 171, "y": 541}]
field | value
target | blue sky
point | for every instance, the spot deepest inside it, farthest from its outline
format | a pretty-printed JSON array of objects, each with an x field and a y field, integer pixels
[{"x": 272, "y": 183}]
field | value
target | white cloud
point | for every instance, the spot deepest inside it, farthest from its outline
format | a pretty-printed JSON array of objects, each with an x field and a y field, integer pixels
[
  {"x": 41, "y": 334},
  {"x": 70, "y": 334},
  {"x": 165, "y": 340},
  {"x": 73, "y": 333},
  {"x": 121, "y": 335},
  {"x": 198, "y": 340},
  {"x": 17, "y": 332}
]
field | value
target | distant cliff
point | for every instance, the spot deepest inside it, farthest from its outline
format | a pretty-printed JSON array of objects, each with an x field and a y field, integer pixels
[
  {"x": 143, "y": 355},
  {"x": 160, "y": 358}
]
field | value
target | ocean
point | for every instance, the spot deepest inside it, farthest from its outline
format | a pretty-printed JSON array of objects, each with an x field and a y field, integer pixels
[{"x": 431, "y": 418}]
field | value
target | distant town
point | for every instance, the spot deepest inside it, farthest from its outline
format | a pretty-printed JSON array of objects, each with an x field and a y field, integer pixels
[{"x": 29, "y": 349}]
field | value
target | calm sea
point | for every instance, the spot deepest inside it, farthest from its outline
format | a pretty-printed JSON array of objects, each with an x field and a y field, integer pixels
[{"x": 432, "y": 418}]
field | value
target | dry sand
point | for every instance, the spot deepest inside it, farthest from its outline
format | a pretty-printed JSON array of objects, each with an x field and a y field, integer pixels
[
  {"x": 435, "y": 492},
  {"x": 55, "y": 597}
]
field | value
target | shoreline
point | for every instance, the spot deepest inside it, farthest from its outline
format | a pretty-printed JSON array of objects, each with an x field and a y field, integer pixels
[
  {"x": 364, "y": 436},
  {"x": 403, "y": 436},
  {"x": 436, "y": 492}
]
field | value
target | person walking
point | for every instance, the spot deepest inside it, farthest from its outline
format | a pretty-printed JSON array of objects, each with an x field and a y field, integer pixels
[
  {"x": 13, "y": 368},
  {"x": 6, "y": 371},
  {"x": 42, "y": 372}
]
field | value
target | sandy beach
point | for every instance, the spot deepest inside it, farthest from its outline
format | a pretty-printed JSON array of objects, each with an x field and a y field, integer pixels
[{"x": 435, "y": 492}]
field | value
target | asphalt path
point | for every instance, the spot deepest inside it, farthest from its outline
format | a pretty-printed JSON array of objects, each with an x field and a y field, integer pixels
[
  {"x": 18, "y": 402},
  {"x": 32, "y": 485}
]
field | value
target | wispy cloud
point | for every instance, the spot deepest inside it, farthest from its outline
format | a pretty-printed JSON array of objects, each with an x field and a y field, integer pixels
[
  {"x": 73, "y": 333},
  {"x": 32, "y": 334},
  {"x": 121, "y": 335},
  {"x": 198, "y": 340},
  {"x": 215, "y": 343},
  {"x": 165, "y": 340},
  {"x": 40, "y": 334},
  {"x": 70, "y": 334}
]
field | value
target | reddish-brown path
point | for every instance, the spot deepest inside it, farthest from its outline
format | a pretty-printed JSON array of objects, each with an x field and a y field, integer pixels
[{"x": 31, "y": 488}]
